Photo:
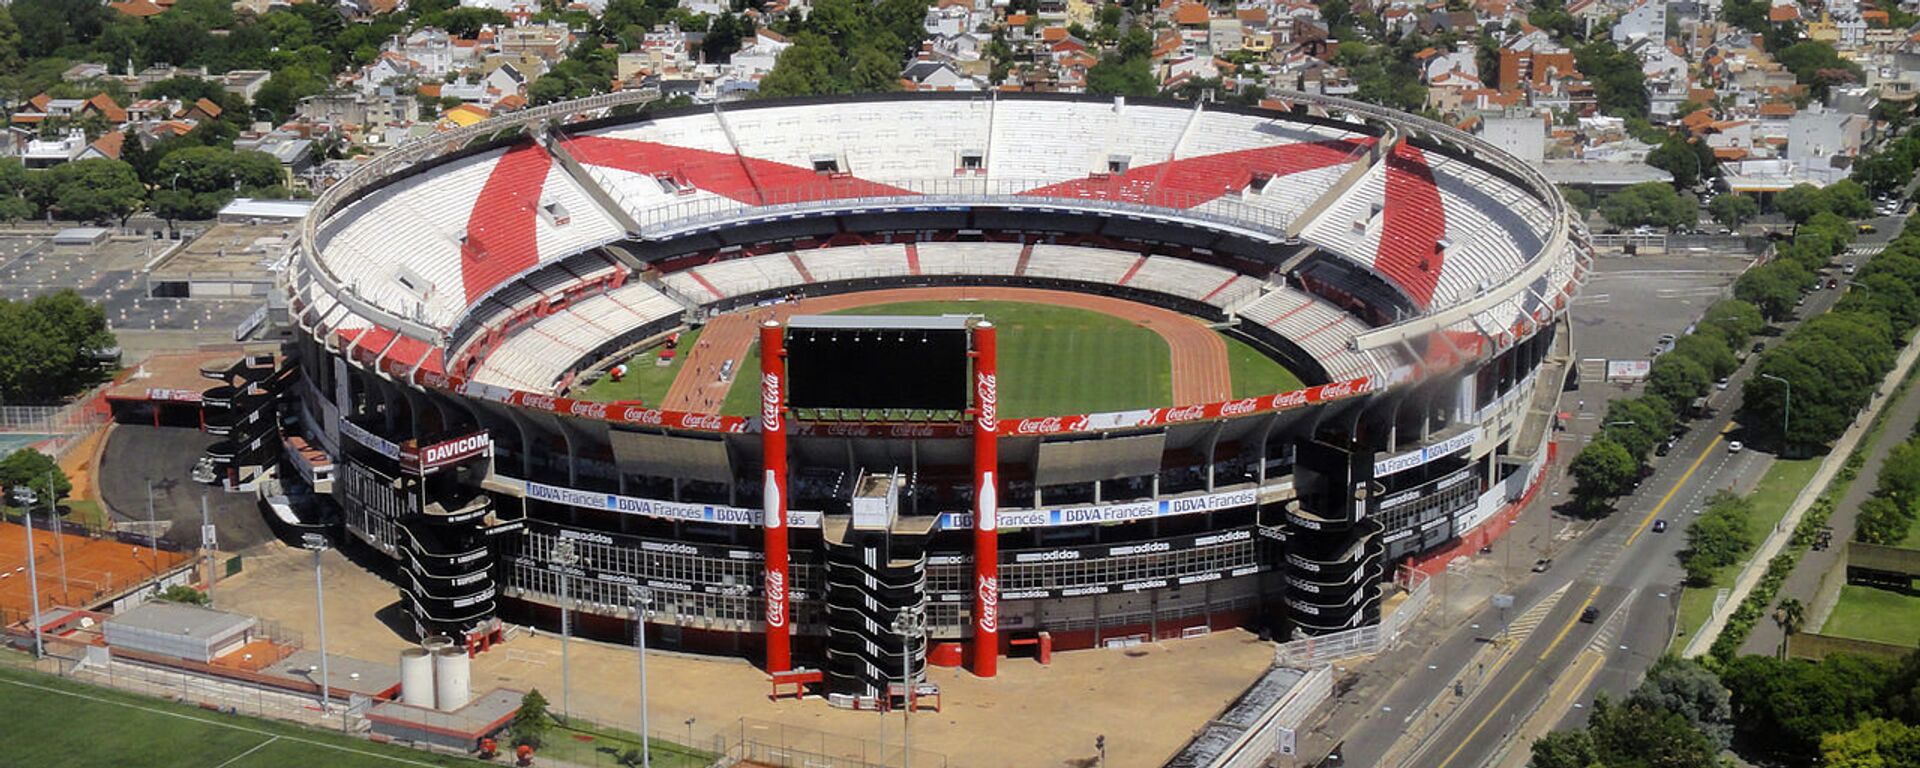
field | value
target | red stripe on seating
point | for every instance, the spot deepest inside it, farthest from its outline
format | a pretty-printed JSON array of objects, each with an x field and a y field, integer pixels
[
  {"x": 702, "y": 280},
  {"x": 913, "y": 259},
  {"x": 501, "y": 241},
  {"x": 1289, "y": 313},
  {"x": 1217, "y": 289},
  {"x": 745, "y": 179},
  {"x": 1026, "y": 254},
  {"x": 800, "y": 266},
  {"x": 1316, "y": 331},
  {"x": 1413, "y": 223},
  {"x": 1193, "y": 181},
  {"x": 1133, "y": 270}
]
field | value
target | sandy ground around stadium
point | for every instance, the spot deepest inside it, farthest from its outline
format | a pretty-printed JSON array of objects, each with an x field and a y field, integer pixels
[
  {"x": 1201, "y": 373},
  {"x": 1146, "y": 700}
]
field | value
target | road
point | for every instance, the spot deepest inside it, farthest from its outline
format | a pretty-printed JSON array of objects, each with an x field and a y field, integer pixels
[{"x": 1619, "y": 566}]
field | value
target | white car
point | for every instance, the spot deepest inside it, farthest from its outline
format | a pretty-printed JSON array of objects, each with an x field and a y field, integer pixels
[{"x": 1734, "y": 447}]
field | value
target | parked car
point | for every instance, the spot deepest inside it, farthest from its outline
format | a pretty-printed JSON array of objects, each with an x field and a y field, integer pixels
[
  {"x": 1541, "y": 565},
  {"x": 1722, "y": 384},
  {"x": 1734, "y": 447}
]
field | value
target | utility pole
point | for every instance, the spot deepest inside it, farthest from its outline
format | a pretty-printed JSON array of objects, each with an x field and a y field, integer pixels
[
  {"x": 318, "y": 544},
  {"x": 59, "y": 538},
  {"x": 33, "y": 584},
  {"x": 153, "y": 539},
  {"x": 207, "y": 545},
  {"x": 563, "y": 559},
  {"x": 642, "y": 605},
  {"x": 909, "y": 623}
]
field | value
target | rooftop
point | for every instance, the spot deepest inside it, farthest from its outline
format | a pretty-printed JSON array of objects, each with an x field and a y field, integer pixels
[{"x": 182, "y": 620}]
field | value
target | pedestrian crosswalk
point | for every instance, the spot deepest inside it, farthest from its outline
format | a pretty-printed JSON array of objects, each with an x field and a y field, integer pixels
[
  {"x": 1524, "y": 624},
  {"x": 1865, "y": 250}
]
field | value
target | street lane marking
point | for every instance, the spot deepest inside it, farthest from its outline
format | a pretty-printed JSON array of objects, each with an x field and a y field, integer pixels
[{"x": 1584, "y": 604}]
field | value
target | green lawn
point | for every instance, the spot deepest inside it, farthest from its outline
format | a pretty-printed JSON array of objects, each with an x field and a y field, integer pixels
[
  {"x": 64, "y": 723},
  {"x": 1776, "y": 491},
  {"x": 1056, "y": 360},
  {"x": 1255, "y": 374},
  {"x": 1063, "y": 360},
  {"x": 646, "y": 380},
  {"x": 1869, "y": 613},
  {"x": 588, "y": 745}
]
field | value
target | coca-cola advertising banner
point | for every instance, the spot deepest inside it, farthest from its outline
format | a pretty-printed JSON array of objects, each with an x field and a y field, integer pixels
[{"x": 1042, "y": 425}]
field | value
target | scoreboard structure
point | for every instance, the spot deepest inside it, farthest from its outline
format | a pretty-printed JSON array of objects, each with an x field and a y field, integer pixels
[{"x": 835, "y": 366}]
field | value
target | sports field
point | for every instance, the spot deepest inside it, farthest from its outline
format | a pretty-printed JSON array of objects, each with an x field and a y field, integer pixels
[
  {"x": 63, "y": 723},
  {"x": 646, "y": 381},
  {"x": 72, "y": 570},
  {"x": 1064, "y": 360}
]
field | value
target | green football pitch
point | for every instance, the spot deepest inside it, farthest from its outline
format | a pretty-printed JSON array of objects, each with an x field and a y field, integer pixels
[
  {"x": 1064, "y": 360},
  {"x": 60, "y": 722}
]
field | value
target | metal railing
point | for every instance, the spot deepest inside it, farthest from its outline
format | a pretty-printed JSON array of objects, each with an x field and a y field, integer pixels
[{"x": 1310, "y": 652}]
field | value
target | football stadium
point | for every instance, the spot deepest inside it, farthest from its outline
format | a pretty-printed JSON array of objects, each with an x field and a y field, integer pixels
[{"x": 841, "y": 384}]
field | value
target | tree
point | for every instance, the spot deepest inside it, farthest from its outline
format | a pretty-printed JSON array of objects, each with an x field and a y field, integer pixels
[
  {"x": 1603, "y": 470},
  {"x": 36, "y": 470},
  {"x": 1565, "y": 749},
  {"x": 50, "y": 339},
  {"x": 181, "y": 593},
  {"x": 1817, "y": 64},
  {"x": 1773, "y": 287},
  {"x": 1874, "y": 743},
  {"x": 1640, "y": 735},
  {"x": 1900, "y": 474},
  {"x": 1881, "y": 520},
  {"x": 1849, "y": 199},
  {"x": 1733, "y": 210},
  {"x": 1799, "y": 202},
  {"x": 95, "y": 189},
  {"x": 1676, "y": 155},
  {"x": 1687, "y": 687},
  {"x": 1790, "y": 615},
  {"x": 1122, "y": 77},
  {"x": 1784, "y": 707},
  {"x": 1618, "y": 83},
  {"x": 1718, "y": 537},
  {"x": 1652, "y": 203},
  {"x": 1678, "y": 379},
  {"x": 531, "y": 722},
  {"x": 1829, "y": 386},
  {"x": 1735, "y": 319}
]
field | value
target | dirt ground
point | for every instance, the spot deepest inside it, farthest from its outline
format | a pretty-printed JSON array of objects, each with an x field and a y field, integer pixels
[
  {"x": 1146, "y": 700},
  {"x": 94, "y": 568}
]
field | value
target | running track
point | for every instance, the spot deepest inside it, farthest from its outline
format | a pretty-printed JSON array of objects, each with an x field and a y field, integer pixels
[{"x": 1200, "y": 371}]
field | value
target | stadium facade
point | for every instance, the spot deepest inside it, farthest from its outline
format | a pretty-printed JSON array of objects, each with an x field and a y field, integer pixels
[{"x": 449, "y": 295}]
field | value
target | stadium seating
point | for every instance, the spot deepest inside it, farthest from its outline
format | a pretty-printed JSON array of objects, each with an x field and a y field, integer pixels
[
  {"x": 968, "y": 258},
  {"x": 466, "y": 229},
  {"x": 536, "y": 356},
  {"x": 1317, "y": 327}
]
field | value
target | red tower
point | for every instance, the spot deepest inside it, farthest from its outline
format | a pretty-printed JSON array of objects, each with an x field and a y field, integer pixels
[
  {"x": 773, "y": 448},
  {"x": 986, "y": 505}
]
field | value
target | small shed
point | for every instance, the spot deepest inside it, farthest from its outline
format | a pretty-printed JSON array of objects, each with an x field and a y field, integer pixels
[{"x": 178, "y": 630}]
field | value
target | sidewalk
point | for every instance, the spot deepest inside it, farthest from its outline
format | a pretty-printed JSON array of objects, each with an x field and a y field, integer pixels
[
  {"x": 1817, "y": 578},
  {"x": 1782, "y": 533}
]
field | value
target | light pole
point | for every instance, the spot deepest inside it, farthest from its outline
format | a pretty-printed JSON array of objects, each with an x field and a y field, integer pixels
[
  {"x": 690, "y": 722},
  {"x": 318, "y": 544},
  {"x": 33, "y": 572},
  {"x": 909, "y": 624},
  {"x": 642, "y": 605},
  {"x": 59, "y": 539},
  {"x": 1786, "y": 409},
  {"x": 564, "y": 558}
]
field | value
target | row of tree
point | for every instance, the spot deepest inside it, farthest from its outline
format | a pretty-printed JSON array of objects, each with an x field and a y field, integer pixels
[
  {"x": 1611, "y": 465},
  {"x": 1845, "y": 712},
  {"x": 1718, "y": 538},
  {"x": 1889, "y": 514},
  {"x": 1830, "y": 366}
]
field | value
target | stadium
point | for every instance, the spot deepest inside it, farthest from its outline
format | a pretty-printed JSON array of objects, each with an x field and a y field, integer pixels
[{"x": 773, "y": 375}]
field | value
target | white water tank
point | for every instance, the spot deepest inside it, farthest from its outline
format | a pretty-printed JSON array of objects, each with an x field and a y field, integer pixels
[
  {"x": 416, "y": 678},
  {"x": 451, "y": 678},
  {"x": 434, "y": 643}
]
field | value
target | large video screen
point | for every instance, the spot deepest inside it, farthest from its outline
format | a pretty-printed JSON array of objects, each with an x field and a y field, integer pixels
[{"x": 878, "y": 366}]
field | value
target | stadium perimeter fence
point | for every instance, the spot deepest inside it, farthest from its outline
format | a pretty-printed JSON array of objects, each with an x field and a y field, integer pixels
[{"x": 1311, "y": 652}]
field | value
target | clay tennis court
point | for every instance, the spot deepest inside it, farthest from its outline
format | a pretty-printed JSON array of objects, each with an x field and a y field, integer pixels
[
  {"x": 94, "y": 568},
  {"x": 1201, "y": 372}
]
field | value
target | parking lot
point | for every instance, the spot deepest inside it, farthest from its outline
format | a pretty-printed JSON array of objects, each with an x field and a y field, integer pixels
[{"x": 114, "y": 274}]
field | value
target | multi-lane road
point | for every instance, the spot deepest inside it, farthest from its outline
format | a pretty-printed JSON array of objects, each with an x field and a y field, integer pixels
[{"x": 1623, "y": 570}]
